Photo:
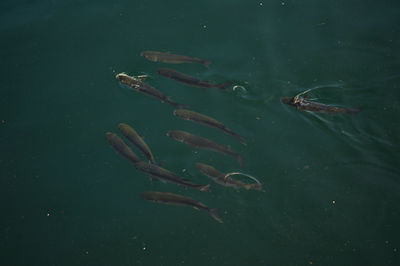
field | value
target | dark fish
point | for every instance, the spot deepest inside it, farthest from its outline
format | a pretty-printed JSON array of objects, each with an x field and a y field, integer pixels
[
  {"x": 136, "y": 140},
  {"x": 200, "y": 142},
  {"x": 221, "y": 179},
  {"x": 142, "y": 87},
  {"x": 203, "y": 119},
  {"x": 165, "y": 175},
  {"x": 304, "y": 105},
  {"x": 166, "y": 57},
  {"x": 172, "y": 74},
  {"x": 170, "y": 198},
  {"x": 121, "y": 147}
]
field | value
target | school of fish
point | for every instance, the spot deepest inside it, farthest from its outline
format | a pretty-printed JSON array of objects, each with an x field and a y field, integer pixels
[{"x": 155, "y": 171}]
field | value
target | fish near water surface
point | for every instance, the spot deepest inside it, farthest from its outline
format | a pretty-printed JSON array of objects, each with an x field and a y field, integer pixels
[
  {"x": 121, "y": 147},
  {"x": 200, "y": 142},
  {"x": 136, "y": 140},
  {"x": 166, "y": 57},
  {"x": 166, "y": 175},
  {"x": 221, "y": 179},
  {"x": 186, "y": 79},
  {"x": 144, "y": 88},
  {"x": 304, "y": 105},
  {"x": 170, "y": 198},
  {"x": 206, "y": 120}
]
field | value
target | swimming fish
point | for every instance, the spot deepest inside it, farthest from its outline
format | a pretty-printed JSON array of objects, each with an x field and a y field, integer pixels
[
  {"x": 170, "y": 198},
  {"x": 206, "y": 120},
  {"x": 302, "y": 104},
  {"x": 200, "y": 142},
  {"x": 165, "y": 175},
  {"x": 136, "y": 140},
  {"x": 167, "y": 57},
  {"x": 224, "y": 180},
  {"x": 142, "y": 87},
  {"x": 175, "y": 75},
  {"x": 121, "y": 147}
]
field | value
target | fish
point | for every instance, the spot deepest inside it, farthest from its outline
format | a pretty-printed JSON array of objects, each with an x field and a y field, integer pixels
[
  {"x": 304, "y": 105},
  {"x": 189, "y": 80},
  {"x": 167, "y": 57},
  {"x": 206, "y": 120},
  {"x": 166, "y": 175},
  {"x": 222, "y": 179},
  {"x": 170, "y": 198},
  {"x": 144, "y": 88},
  {"x": 131, "y": 135},
  {"x": 122, "y": 148},
  {"x": 200, "y": 142}
]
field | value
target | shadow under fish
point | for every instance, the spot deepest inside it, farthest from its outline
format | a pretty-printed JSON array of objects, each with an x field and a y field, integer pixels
[{"x": 189, "y": 80}]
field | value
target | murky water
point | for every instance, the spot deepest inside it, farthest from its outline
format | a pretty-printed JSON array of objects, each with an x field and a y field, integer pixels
[{"x": 331, "y": 181}]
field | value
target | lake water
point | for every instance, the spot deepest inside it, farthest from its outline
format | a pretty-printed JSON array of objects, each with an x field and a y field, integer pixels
[{"x": 332, "y": 182}]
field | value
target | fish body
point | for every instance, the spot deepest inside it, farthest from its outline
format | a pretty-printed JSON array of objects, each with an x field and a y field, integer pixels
[
  {"x": 121, "y": 147},
  {"x": 220, "y": 179},
  {"x": 175, "y": 75},
  {"x": 200, "y": 142},
  {"x": 144, "y": 88},
  {"x": 166, "y": 57},
  {"x": 136, "y": 140},
  {"x": 166, "y": 175},
  {"x": 170, "y": 198},
  {"x": 206, "y": 120},
  {"x": 304, "y": 105}
]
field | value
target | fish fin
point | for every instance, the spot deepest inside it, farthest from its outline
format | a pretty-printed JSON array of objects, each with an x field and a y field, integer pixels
[
  {"x": 248, "y": 186},
  {"x": 240, "y": 160},
  {"x": 206, "y": 63},
  {"x": 224, "y": 86},
  {"x": 205, "y": 188},
  {"x": 214, "y": 214},
  {"x": 160, "y": 163},
  {"x": 142, "y": 77},
  {"x": 180, "y": 106}
]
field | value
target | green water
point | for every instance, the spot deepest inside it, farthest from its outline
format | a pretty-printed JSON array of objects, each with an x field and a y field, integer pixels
[{"x": 331, "y": 182}]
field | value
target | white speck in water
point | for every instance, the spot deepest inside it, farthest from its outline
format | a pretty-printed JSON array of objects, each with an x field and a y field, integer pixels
[{"x": 261, "y": 3}]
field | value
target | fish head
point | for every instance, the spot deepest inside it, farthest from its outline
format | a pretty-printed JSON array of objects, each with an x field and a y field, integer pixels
[
  {"x": 110, "y": 137},
  {"x": 149, "y": 55},
  {"x": 122, "y": 77},
  {"x": 182, "y": 113},
  {"x": 288, "y": 101},
  {"x": 163, "y": 71},
  {"x": 175, "y": 134}
]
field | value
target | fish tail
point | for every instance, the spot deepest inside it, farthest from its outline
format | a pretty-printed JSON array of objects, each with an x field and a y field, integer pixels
[
  {"x": 224, "y": 86},
  {"x": 214, "y": 214},
  {"x": 353, "y": 110},
  {"x": 205, "y": 188},
  {"x": 180, "y": 106},
  {"x": 206, "y": 63}
]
